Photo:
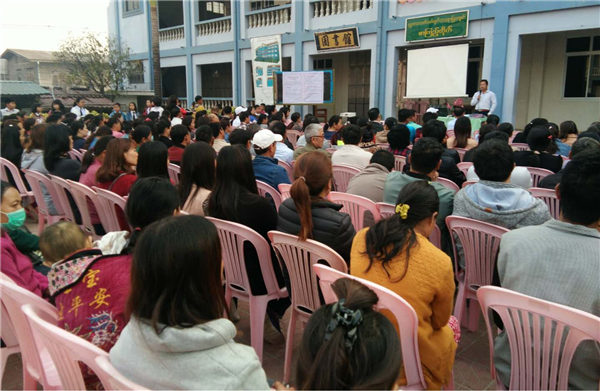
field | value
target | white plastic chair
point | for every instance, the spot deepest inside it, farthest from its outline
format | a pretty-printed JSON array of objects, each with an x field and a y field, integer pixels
[
  {"x": 405, "y": 316},
  {"x": 233, "y": 236},
  {"x": 342, "y": 175},
  {"x": 542, "y": 337},
  {"x": 298, "y": 257}
]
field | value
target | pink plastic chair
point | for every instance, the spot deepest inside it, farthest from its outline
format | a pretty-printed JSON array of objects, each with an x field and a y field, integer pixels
[
  {"x": 288, "y": 168},
  {"x": 8, "y": 335},
  {"x": 299, "y": 256},
  {"x": 292, "y": 136},
  {"x": 37, "y": 364},
  {"x": 520, "y": 146},
  {"x": 537, "y": 174},
  {"x": 405, "y": 315},
  {"x": 537, "y": 359},
  {"x": 66, "y": 350},
  {"x": 464, "y": 167},
  {"x": 356, "y": 206},
  {"x": 461, "y": 152},
  {"x": 62, "y": 188},
  {"x": 342, "y": 175},
  {"x": 550, "y": 199},
  {"x": 86, "y": 199},
  {"x": 387, "y": 210},
  {"x": 38, "y": 182},
  {"x": 75, "y": 155},
  {"x": 110, "y": 203},
  {"x": 7, "y": 166},
  {"x": 448, "y": 183},
  {"x": 480, "y": 242},
  {"x": 174, "y": 172},
  {"x": 467, "y": 183},
  {"x": 233, "y": 236},
  {"x": 111, "y": 378},
  {"x": 399, "y": 163},
  {"x": 266, "y": 191},
  {"x": 284, "y": 190}
]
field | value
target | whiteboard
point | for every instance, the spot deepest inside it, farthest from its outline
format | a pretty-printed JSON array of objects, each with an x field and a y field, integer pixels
[
  {"x": 437, "y": 72},
  {"x": 302, "y": 87}
]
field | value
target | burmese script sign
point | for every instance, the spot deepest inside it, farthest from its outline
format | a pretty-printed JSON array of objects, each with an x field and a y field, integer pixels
[
  {"x": 452, "y": 25},
  {"x": 338, "y": 39}
]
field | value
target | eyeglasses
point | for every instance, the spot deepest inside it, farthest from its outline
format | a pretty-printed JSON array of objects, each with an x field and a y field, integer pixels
[{"x": 321, "y": 136}]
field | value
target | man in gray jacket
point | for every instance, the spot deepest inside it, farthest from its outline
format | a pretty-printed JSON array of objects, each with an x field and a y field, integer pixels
[
  {"x": 493, "y": 199},
  {"x": 370, "y": 181}
]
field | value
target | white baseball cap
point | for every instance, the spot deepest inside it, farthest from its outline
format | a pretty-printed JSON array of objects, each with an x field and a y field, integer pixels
[
  {"x": 240, "y": 109},
  {"x": 432, "y": 110},
  {"x": 264, "y": 138}
]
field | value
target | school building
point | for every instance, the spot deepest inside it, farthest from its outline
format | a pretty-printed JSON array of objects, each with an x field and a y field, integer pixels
[{"x": 542, "y": 58}]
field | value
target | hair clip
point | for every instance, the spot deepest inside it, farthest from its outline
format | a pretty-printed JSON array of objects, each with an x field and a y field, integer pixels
[
  {"x": 402, "y": 210},
  {"x": 302, "y": 179},
  {"x": 348, "y": 319}
]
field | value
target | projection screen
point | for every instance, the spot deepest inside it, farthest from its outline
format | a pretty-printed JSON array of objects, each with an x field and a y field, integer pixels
[{"x": 437, "y": 72}]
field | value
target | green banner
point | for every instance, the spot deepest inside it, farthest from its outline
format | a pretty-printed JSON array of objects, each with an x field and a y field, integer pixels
[{"x": 441, "y": 26}]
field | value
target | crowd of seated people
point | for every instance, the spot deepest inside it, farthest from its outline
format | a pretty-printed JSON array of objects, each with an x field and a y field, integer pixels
[{"x": 155, "y": 301}]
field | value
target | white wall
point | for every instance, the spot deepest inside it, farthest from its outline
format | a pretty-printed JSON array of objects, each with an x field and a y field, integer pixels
[
  {"x": 546, "y": 22},
  {"x": 134, "y": 29},
  {"x": 426, "y": 7}
]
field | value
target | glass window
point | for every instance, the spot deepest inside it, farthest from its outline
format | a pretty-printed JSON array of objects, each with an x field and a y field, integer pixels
[
  {"x": 208, "y": 10},
  {"x": 170, "y": 13},
  {"x": 256, "y": 5},
  {"x": 581, "y": 44},
  {"x": 582, "y": 76},
  {"x": 596, "y": 45},
  {"x": 131, "y": 7},
  {"x": 217, "y": 80},
  {"x": 575, "y": 78},
  {"x": 474, "y": 51},
  {"x": 136, "y": 74}
]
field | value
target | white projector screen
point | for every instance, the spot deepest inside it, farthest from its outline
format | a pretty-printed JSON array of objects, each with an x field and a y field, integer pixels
[{"x": 437, "y": 72}]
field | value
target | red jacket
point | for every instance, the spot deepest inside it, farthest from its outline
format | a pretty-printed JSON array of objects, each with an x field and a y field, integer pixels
[
  {"x": 176, "y": 154},
  {"x": 19, "y": 268}
]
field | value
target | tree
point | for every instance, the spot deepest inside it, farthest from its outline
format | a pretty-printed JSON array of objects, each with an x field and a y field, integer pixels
[
  {"x": 155, "y": 48},
  {"x": 99, "y": 64}
]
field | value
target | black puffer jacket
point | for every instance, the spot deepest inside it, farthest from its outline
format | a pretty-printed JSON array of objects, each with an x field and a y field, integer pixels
[{"x": 330, "y": 226}]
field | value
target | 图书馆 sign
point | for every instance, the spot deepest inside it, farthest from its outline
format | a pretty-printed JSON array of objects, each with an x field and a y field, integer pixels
[
  {"x": 451, "y": 25},
  {"x": 337, "y": 39}
]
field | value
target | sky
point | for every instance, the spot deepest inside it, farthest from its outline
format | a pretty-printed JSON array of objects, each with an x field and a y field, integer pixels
[{"x": 43, "y": 24}]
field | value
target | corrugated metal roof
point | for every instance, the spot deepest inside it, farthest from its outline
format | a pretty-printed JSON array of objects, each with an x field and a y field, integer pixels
[
  {"x": 33, "y": 55},
  {"x": 12, "y": 88}
]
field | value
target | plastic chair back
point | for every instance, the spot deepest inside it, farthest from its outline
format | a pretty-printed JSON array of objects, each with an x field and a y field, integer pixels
[
  {"x": 7, "y": 166},
  {"x": 111, "y": 202},
  {"x": 467, "y": 183},
  {"x": 288, "y": 168},
  {"x": 266, "y": 191},
  {"x": 66, "y": 350},
  {"x": 40, "y": 183},
  {"x": 342, "y": 175},
  {"x": 284, "y": 190},
  {"x": 464, "y": 167},
  {"x": 461, "y": 152},
  {"x": 550, "y": 199},
  {"x": 8, "y": 335},
  {"x": 85, "y": 198},
  {"x": 537, "y": 174},
  {"x": 448, "y": 183},
  {"x": 299, "y": 256},
  {"x": 405, "y": 315},
  {"x": 385, "y": 210},
  {"x": 174, "y": 172},
  {"x": 356, "y": 206},
  {"x": 37, "y": 365},
  {"x": 292, "y": 136},
  {"x": 542, "y": 336},
  {"x": 62, "y": 188},
  {"x": 111, "y": 378},
  {"x": 520, "y": 146},
  {"x": 75, "y": 155},
  {"x": 399, "y": 163}
]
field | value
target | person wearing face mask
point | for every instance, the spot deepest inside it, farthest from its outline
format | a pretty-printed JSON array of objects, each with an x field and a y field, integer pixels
[{"x": 15, "y": 264}]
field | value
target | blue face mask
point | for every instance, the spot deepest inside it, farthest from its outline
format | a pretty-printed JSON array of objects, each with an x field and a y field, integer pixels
[{"x": 16, "y": 219}]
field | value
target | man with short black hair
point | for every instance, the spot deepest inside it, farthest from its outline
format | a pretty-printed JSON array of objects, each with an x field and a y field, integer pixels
[
  {"x": 116, "y": 109},
  {"x": 350, "y": 153},
  {"x": 283, "y": 152},
  {"x": 198, "y": 103},
  {"x": 425, "y": 160},
  {"x": 375, "y": 119},
  {"x": 370, "y": 181},
  {"x": 205, "y": 133},
  {"x": 10, "y": 109},
  {"x": 484, "y": 100},
  {"x": 449, "y": 170},
  {"x": 558, "y": 261},
  {"x": 494, "y": 199},
  {"x": 79, "y": 108},
  {"x": 408, "y": 117},
  {"x": 218, "y": 131},
  {"x": 241, "y": 136},
  {"x": 457, "y": 112},
  {"x": 180, "y": 136},
  {"x": 265, "y": 165},
  {"x": 114, "y": 123}
]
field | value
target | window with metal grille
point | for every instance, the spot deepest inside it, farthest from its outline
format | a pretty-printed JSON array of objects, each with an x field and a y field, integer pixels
[{"x": 582, "y": 75}]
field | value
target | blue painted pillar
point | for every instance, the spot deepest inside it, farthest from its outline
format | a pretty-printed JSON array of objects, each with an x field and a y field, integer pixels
[
  {"x": 298, "y": 44},
  {"x": 237, "y": 69},
  {"x": 499, "y": 49},
  {"x": 189, "y": 31},
  {"x": 150, "y": 63},
  {"x": 381, "y": 65}
]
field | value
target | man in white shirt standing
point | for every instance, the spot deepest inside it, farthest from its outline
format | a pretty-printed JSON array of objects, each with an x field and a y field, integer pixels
[
  {"x": 10, "y": 109},
  {"x": 484, "y": 100},
  {"x": 350, "y": 153},
  {"x": 79, "y": 110}
]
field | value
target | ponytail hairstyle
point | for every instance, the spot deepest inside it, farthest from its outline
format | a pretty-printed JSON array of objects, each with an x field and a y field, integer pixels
[
  {"x": 91, "y": 154},
  {"x": 417, "y": 201},
  {"x": 360, "y": 352},
  {"x": 312, "y": 174},
  {"x": 150, "y": 200}
]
